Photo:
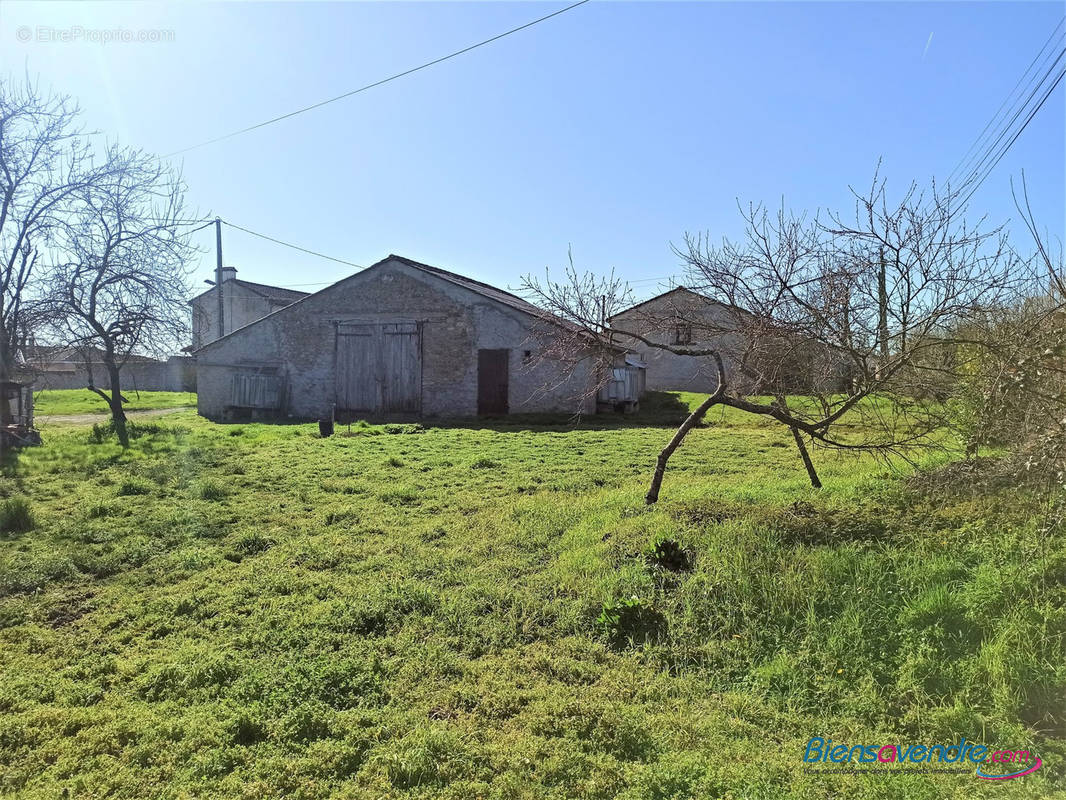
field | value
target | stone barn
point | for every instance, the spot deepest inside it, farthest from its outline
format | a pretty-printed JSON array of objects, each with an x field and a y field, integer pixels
[
  {"x": 681, "y": 318},
  {"x": 398, "y": 339}
]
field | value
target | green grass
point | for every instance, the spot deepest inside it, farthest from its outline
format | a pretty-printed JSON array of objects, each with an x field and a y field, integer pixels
[
  {"x": 69, "y": 402},
  {"x": 398, "y": 611}
]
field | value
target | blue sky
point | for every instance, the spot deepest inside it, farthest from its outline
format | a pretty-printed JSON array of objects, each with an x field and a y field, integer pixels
[{"x": 611, "y": 129}]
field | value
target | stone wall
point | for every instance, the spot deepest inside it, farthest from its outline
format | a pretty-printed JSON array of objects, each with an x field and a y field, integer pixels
[
  {"x": 656, "y": 321},
  {"x": 176, "y": 374}
]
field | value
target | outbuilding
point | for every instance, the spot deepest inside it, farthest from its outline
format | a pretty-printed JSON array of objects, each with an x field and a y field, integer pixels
[{"x": 400, "y": 338}]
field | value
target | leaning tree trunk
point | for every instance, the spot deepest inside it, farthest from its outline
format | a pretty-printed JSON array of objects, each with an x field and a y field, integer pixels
[
  {"x": 675, "y": 442},
  {"x": 811, "y": 473},
  {"x": 802, "y": 447}
]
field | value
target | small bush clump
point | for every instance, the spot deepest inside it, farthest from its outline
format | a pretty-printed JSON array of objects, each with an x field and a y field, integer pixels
[
  {"x": 670, "y": 555},
  {"x": 212, "y": 491},
  {"x": 251, "y": 543},
  {"x": 16, "y": 516},
  {"x": 631, "y": 621},
  {"x": 396, "y": 428},
  {"x": 132, "y": 487}
]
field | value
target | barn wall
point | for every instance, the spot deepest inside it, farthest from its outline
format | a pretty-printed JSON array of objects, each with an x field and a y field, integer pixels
[
  {"x": 668, "y": 371},
  {"x": 299, "y": 343}
]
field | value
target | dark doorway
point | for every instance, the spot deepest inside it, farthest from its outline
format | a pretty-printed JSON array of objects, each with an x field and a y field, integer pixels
[{"x": 492, "y": 381}]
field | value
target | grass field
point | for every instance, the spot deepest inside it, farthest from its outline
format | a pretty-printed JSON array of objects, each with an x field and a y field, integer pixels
[
  {"x": 253, "y": 611},
  {"x": 69, "y": 402}
]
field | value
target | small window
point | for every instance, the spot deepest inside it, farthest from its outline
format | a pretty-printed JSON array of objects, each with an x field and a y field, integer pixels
[
  {"x": 683, "y": 333},
  {"x": 527, "y": 356}
]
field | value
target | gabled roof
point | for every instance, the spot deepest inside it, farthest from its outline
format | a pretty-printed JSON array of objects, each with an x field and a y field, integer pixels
[
  {"x": 261, "y": 289},
  {"x": 483, "y": 289},
  {"x": 676, "y": 290}
]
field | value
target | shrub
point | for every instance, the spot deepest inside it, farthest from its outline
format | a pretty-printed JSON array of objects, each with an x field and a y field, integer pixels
[
  {"x": 210, "y": 490},
  {"x": 399, "y": 496},
  {"x": 485, "y": 463},
  {"x": 631, "y": 620},
  {"x": 413, "y": 427},
  {"x": 102, "y": 431},
  {"x": 16, "y": 516},
  {"x": 252, "y": 543},
  {"x": 669, "y": 555},
  {"x": 132, "y": 487}
]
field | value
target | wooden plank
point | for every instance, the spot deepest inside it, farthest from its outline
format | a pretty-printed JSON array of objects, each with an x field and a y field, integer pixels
[{"x": 251, "y": 390}]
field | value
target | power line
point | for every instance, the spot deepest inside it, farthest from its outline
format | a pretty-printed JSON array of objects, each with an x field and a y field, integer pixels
[
  {"x": 963, "y": 161},
  {"x": 294, "y": 246},
  {"x": 205, "y": 225},
  {"x": 973, "y": 174},
  {"x": 380, "y": 82},
  {"x": 1007, "y": 147}
]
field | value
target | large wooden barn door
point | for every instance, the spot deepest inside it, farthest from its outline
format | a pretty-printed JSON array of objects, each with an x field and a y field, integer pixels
[
  {"x": 379, "y": 368},
  {"x": 492, "y": 381}
]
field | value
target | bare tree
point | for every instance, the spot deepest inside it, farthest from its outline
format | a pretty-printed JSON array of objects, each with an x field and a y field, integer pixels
[
  {"x": 43, "y": 162},
  {"x": 861, "y": 322},
  {"x": 121, "y": 278}
]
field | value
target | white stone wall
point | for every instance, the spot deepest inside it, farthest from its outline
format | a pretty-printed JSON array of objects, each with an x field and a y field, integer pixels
[{"x": 655, "y": 320}]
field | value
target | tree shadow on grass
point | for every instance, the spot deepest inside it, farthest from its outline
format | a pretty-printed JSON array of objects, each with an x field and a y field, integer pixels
[{"x": 657, "y": 410}]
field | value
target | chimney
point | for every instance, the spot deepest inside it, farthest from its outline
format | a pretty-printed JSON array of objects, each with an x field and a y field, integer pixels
[{"x": 229, "y": 274}]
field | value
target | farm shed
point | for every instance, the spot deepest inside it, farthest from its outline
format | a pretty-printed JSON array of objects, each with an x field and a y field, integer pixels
[{"x": 400, "y": 338}]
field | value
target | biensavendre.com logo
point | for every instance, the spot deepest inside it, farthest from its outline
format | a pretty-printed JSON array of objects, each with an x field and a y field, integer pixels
[{"x": 990, "y": 765}]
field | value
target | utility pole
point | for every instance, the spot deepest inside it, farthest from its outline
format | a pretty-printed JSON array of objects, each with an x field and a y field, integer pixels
[
  {"x": 882, "y": 312},
  {"x": 218, "y": 276}
]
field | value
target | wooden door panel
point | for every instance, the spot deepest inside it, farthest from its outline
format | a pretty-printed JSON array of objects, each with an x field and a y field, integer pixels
[
  {"x": 358, "y": 383},
  {"x": 492, "y": 381},
  {"x": 402, "y": 361},
  {"x": 379, "y": 367}
]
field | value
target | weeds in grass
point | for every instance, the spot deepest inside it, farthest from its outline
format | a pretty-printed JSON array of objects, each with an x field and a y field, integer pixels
[
  {"x": 16, "y": 516},
  {"x": 341, "y": 625},
  {"x": 631, "y": 621},
  {"x": 212, "y": 491}
]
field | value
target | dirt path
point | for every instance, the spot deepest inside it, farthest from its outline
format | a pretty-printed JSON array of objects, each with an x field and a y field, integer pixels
[{"x": 88, "y": 419}]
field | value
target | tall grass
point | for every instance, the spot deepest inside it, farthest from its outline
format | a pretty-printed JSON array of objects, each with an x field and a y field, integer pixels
[{"x": 492, "y": 611}]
